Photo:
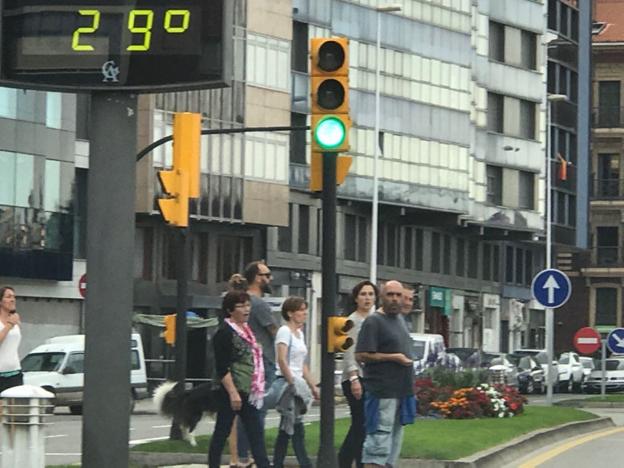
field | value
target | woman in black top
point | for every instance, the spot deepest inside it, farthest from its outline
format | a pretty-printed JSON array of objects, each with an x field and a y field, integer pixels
[{"x": 240, "y": 370}]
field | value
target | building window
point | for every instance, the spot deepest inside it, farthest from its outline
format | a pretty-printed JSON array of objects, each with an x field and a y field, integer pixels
[
  {"x": 419, "y": 250},
  {"x": 170, "y": 251},
  {"x": 8, "y": 103},
  {"x": 607, "y": 245},
  {"x": 495, "y": 112},
  {"x": 606, "y": 306},
  {"x": 519, "y": 266},
  {"x": 268, "y": 61},
  {"x": 202, "y": 274},
  {"x": 528, "y": 267},
  {"x": 392, "y": 244},
  {"x": 446, "y": 255},
  {"x": 460, "y": 264},
  {"x": 497, "y": 41},
  {"x": 609, "y": 104},
  {"x": 509, "y": 265},
  {"x": 362, "y": 239},
  {"x": 233, "y": 253},
  {"x": 298, "y": 139},
  {"x": 527, "y": 119},
  {"x": 608, "y": 181},
  {"x": 529, "y": 50},
  {"x": 526, "y": 190},
  {"x": 304, "y": 229},
  {"x": 495, "y": 263},
  {"x": 473, "y": 259},
  {"x": 494, "y": 176},
  {"x": 350, "y": 236},
  {"x": 487, "y": 262},
  {"x": 408, "y": 251},
  {"x": 53, "y": 110},
  {"x": 435, "y": 252}
]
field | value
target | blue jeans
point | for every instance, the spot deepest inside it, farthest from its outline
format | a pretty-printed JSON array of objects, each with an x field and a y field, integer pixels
[
  {"x": 249, "y": 417},
  {"x": 242, "y": 442},
  {"x": 383, "y": 446}
]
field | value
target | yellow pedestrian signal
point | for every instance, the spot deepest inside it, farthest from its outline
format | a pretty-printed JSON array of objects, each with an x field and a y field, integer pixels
[
  {"x": 343, "y": 164},
  {"x": 170, "y": 329},
  {"x": 329, "y": 91},
  {"x": 338, "y": 339},
  {"x": 182, "y": 181}
]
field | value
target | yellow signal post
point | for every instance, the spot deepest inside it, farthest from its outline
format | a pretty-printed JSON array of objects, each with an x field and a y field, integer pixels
[
  {"x": 343, "y": 164},
  {"x": 338, "y": 339},
  {"x": 170, "y": 329},
  {"x": 182, "y": 181},
  {"x": 329, "y": 89}
]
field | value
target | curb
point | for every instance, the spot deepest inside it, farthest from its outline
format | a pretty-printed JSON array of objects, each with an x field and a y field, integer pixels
[
  {"x": 492, "y": 458},
  {"x": 590, "y": 404}
]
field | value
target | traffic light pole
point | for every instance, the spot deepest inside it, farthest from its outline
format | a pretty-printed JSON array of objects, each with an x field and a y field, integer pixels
[
  {"x": 327, "y": 454},
  {"x": 182, "y": 264}
]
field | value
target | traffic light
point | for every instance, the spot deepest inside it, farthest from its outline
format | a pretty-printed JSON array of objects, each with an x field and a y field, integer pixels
[
  {"x": 338, "y": 339},
  {"x": 181, "y": 182},
  {"x": 343, "y": 164},
  {"x": 170, "y": 329},
  {"x": 329, "y": 90}
]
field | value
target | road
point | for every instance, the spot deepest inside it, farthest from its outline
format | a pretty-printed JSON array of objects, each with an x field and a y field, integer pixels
[{"x": 63, "y": 440}]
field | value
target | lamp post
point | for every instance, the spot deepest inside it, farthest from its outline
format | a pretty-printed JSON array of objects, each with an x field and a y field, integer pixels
[
  {"x": 550, "y": 351},
  {"x": 375, "y": 214}
]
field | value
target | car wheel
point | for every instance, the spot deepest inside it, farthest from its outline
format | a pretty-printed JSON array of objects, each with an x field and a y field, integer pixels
[
  {"x": 132, "y": 402},
  {"x": 569, "y": 385},
  {"x": 76, "y": 410},
  {"x": 50, "y": 408}
]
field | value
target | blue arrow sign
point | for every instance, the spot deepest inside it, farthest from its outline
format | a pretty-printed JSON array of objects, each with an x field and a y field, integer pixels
[
  {"x": 615, "y": 341},
  {"x": 551, "y": 288}
]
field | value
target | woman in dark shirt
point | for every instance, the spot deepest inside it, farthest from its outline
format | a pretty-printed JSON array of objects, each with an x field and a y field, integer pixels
[{"x": 239, "y": 367}]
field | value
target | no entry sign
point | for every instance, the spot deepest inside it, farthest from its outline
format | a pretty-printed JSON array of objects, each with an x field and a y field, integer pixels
[
  {"x": 82, "y": 285},
  {"x": 587, "y": 340}
]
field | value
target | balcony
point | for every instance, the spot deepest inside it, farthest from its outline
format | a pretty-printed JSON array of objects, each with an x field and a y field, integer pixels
[
  {"x": 607, "y": 256},
  {"x": 608, "y": 116},
  {"x": 608, "y": 189}
]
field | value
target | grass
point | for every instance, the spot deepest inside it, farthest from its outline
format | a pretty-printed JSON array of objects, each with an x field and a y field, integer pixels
[
  {"x": 607, "y": 398},
  {"x": 439, "y": 439}
]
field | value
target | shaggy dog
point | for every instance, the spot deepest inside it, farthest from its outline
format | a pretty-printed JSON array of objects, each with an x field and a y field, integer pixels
[{"x": 187, "y": 407}]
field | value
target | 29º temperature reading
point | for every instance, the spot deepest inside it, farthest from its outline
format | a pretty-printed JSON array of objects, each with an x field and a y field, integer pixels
[{"x": 140, "y": 23}]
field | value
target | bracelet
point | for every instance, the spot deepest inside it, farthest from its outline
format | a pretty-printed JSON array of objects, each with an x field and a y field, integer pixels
[{"x": 353, "y": 378}]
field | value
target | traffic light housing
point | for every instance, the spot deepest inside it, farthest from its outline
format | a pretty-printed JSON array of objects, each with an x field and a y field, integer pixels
[
  {"x": 182, "y": 181},
  {"x": 169, "y": 334},
  {"x": 343, "y": 164},
  {"x": 329, "y": 91},
  {"x": 338, "y": 339}
]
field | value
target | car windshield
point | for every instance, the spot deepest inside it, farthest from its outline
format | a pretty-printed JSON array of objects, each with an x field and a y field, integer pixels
[
  {"x": 541, "y": 358},
  {"x": 42, "y": 362},
  {"x": 588, "y": 364},
  {"x": 564, "y": 359},
  {"x": 615, "y": 364},
  {"x": 521, "y": 362},
  {"x": 418, "y": 349}
]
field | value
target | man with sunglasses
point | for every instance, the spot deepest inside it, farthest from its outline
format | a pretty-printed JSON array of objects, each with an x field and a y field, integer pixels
[{"x": 264, "y": 326}]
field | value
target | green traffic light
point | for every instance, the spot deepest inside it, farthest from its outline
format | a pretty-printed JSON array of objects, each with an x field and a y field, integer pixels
[{"x": 330, "y": 132}]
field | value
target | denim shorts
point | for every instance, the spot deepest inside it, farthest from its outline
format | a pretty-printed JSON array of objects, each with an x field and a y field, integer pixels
[{"x": 386, "y": 440}]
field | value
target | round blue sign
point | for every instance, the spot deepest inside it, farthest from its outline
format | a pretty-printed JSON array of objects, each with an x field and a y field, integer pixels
[
  {"x": 615, "y": 341},
  {"x": 551, "y": 288}
]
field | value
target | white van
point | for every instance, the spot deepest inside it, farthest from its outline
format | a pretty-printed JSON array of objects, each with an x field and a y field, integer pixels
[
  {"x": 58, "y": 366},
  {"x": 427, "y": 350}
]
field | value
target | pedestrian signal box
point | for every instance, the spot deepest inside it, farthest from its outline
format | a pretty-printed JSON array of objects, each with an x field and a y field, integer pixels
[{"x": 338, "y": 339}]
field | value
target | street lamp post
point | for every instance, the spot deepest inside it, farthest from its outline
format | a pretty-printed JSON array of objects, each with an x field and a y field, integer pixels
[
  {"x": 550, "y": 322},
  {"x": 375, "y": 214}
]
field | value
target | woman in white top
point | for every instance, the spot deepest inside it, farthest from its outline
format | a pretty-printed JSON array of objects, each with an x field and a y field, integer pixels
[
  {"x": 10, "y": 337},
  {"x": 364, "y": 296},
  {"x": 291, "y": 353}
]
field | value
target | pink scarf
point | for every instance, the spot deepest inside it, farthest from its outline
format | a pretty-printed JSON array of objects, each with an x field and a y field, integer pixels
[{"x": 256, "y": 394}]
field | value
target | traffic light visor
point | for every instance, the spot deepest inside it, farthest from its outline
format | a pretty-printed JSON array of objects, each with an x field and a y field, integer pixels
[
  {"x": 330, "y": 132},
  {"x": 330, "y": 94},
  {"x": 331, "y": 56}
]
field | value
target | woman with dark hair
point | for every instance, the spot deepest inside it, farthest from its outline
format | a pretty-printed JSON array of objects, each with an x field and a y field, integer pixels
[
  {"x": 293, "y": 388},
  {"x": 238, "y": 360},
  {"x": 364, "y": 296},
  {"x": 10, "y": 337}
]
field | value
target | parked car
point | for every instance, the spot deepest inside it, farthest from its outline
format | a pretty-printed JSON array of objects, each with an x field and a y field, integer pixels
[
  {"x": 570, "y": 372},
  {"x": 541, "y": 356},
  {"x": 427, "y": 349},
  {"x": 531, "y": 377},
  {"x": 503, "y": 371},
  {"x": 614, "y": 376},
  {"x": 58, "y": 366},
  {"x": 588, "y": 367},
  {"x": 471, "y": 358}
]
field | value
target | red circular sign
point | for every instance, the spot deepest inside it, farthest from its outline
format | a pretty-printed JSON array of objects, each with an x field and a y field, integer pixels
[
  {"x": 587, "y": 340},
  {"x": 82, "y": 285}
]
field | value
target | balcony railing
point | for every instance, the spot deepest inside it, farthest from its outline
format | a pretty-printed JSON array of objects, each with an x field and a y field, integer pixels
[
  {"x": 607, "y": 256},
  {"x": 608, "y": 116},
  {"x": 608, "y": 189}
]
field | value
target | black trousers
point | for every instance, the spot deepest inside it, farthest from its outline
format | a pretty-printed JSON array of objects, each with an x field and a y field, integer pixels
[
  {"x": 13, "y": 381},
  {"x": 351, "y": 449}
]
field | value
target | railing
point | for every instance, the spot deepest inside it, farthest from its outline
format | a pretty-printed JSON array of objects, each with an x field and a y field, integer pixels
[
  {"x": 608, "y": 116},
  {"x": 608, "y": 189}
]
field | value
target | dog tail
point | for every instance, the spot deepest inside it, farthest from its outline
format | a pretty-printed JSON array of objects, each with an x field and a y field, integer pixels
[{"x": 165, "y": 399}]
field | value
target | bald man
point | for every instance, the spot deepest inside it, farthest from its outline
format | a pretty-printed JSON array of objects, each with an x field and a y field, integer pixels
[{"x": 384, "y": 346}]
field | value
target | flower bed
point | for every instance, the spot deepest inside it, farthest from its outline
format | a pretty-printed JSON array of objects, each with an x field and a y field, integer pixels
[{"x": 493, "y": 401}]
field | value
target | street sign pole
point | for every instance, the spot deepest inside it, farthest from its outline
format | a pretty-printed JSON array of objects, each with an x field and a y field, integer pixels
[
  {"x": 327, "y": 454},
  {"x": 603, "y": 360},
  {"x": 110, "y": 268},
  {"x": 550, "y": 351}
]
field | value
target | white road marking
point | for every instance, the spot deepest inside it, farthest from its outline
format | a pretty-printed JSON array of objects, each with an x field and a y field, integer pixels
[
  {"x": 143, "y": 441},
  {"x": 56, "y": 436}
]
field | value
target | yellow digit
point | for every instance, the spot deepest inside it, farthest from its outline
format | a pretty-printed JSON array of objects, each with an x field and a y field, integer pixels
[
  {"x": 146, "y": 30},
  {"x": 76, "y": 45},
  {"x": 186, "y": 18}
]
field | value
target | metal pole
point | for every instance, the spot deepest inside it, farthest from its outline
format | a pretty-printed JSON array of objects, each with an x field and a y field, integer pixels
[
  {"x": 549, "y": 311},
  {"x": 327, "y": 454},
  {"x": 603, "y": 359},
  {"x": 375, "y": 214},
  {"x": 181, "y": 305},
  {"x": 110, "y": 268}
]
